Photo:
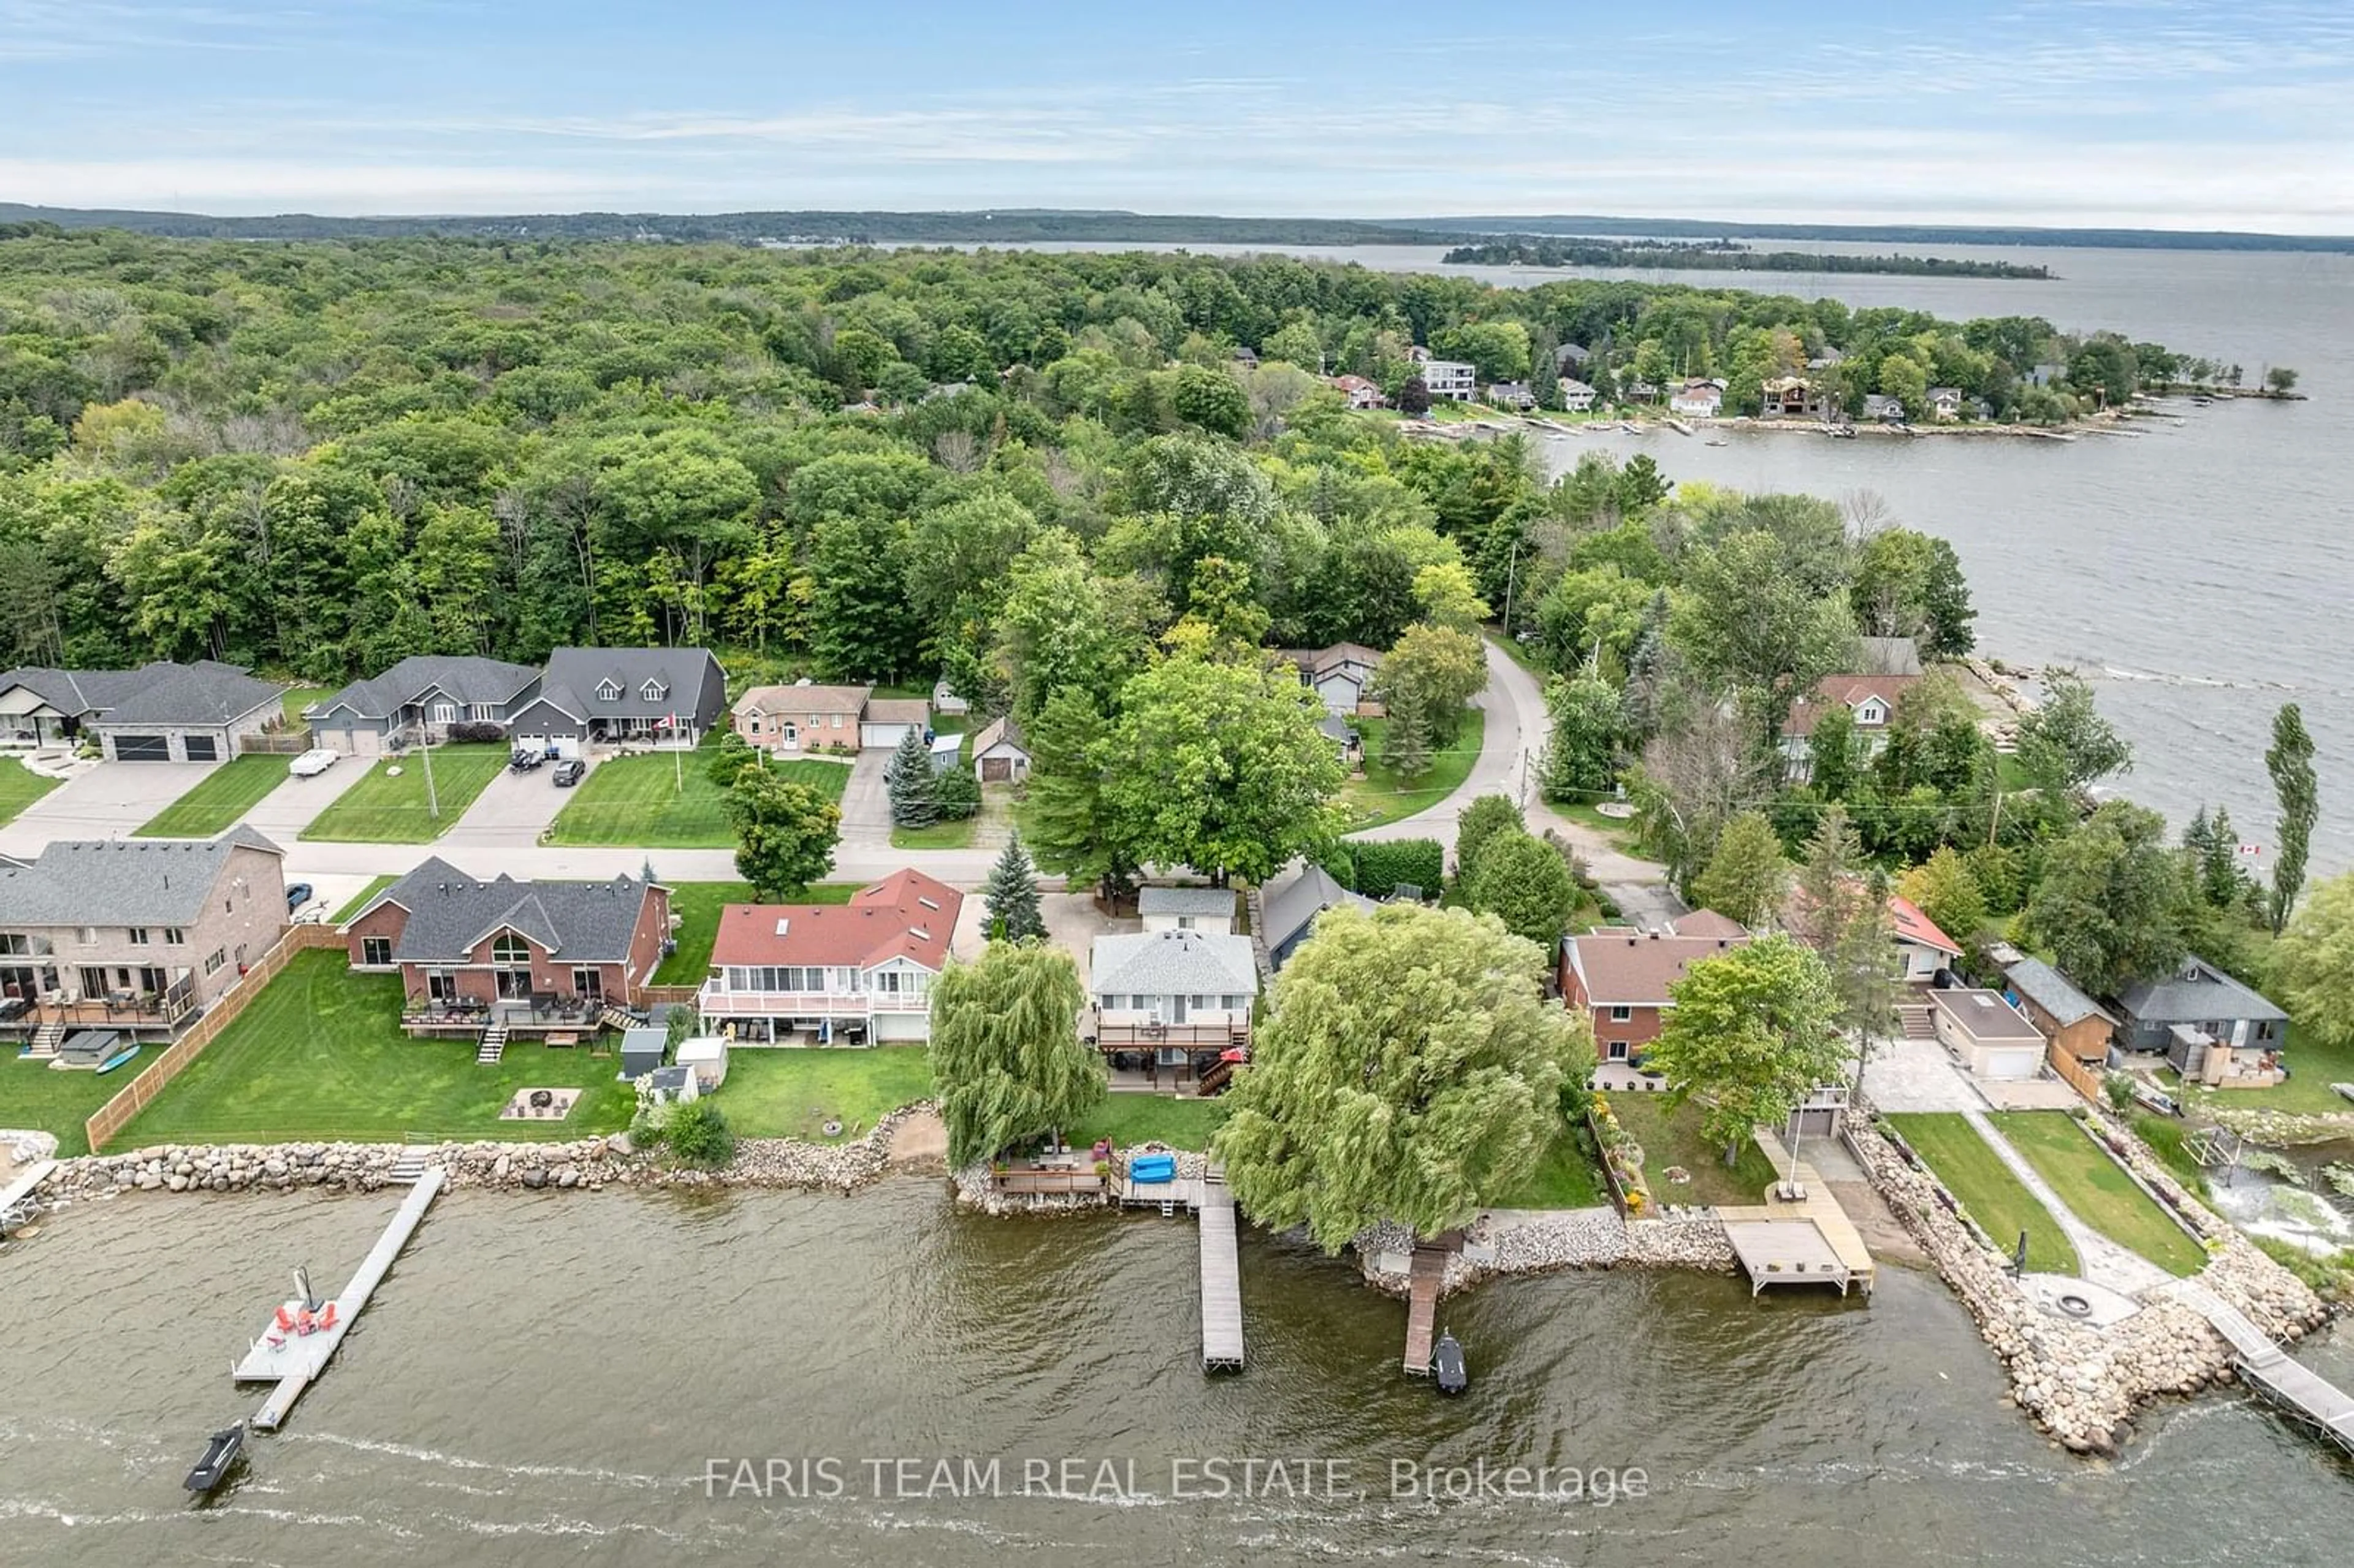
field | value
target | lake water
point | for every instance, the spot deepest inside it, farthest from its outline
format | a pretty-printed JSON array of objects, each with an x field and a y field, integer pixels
[
  {"x": 543, "y": 1381},
  {"x": 2199, "y": 573}
]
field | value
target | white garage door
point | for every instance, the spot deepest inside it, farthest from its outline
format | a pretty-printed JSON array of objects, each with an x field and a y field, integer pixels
[{"x": 880, "y": 736}]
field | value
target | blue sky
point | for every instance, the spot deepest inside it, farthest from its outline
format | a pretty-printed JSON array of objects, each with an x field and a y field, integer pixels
[{"x": 2158, "y": 112}]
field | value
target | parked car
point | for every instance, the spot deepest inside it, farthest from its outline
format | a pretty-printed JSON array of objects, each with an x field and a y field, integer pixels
[
  {"x": 524, "y": 760},
  {"x": 570, "y": 772},
  {"x": 297, "y": 893},
  {"x": 312, "y": 763}
]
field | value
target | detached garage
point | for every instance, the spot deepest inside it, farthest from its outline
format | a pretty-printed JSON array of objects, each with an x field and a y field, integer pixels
[
  {"x": 887, "y": 721},
  {"x": 1993, "y": 1039}
]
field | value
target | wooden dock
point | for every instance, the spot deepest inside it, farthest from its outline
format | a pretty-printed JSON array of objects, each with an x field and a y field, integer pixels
[
  {"x": 1222, "y": 1285},
  {"x": 1423, "y": 1278},
  {"x": 19, "y": 1195},
  {"x": 2267, "y": 1368},
  {"x": 292, "y": 1364}
]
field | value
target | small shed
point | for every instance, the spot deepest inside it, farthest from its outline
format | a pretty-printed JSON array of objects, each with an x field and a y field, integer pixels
[
  {"x": 947, "y": 751},
  {"x": 669, "y": 1085},
  {"x": 707, "y": 1056},
  {"x": 642, "y": 1052},
  {"x": 946, "y": 701},
  {"x": 999, "y": 754}
]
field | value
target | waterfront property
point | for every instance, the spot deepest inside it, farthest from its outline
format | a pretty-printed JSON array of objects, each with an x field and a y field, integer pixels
[
  {"x": 2211, "y": 1029},
  {"x": 1449, "y": 380},
  {"x": 1168, "y": 1005},
  {"x": 1987, "y": 1190},
  {"x": 160, "y": 711},
  {"x": 535, "y": 956},
  {"x": 596, "y": 696},
  {"x": 137, "y": 936},
  {"x": 1697, "y": 400},
  {"x": 1291, "y": 904},
  {"x": 2063, "y": 1015},
  {"x": 2097, "y": 1189},
  {"x": 857, "y": 973},
  {"x": 417, "y": 701},
  {"x": 1361, "y": 393},
  {"x": 1621, "y": 976},
  {"x": 1870, "y": 699},
  {"x": 1986, "y": 1034}
]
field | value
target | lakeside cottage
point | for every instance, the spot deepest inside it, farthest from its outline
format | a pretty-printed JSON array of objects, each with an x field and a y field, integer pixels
[
  {"x": 1619, "y": 976},
  {"x": 1361, "y": 393},
  {"x": 824, "y": 974},
  {"x": 1697, "y": 400},
  {"x": 2065, "y": 1016},
  {"x": 1576, "y": 396},
  {"x": 1870, "y": 699},
  {"x": 1171, "y": 995},
  {"x": 160, "y": 711},
  {"x": 2211, "y": 1029}
]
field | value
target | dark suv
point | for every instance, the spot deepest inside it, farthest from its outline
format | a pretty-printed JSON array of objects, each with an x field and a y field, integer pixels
[{"x": 570, "y": 772}]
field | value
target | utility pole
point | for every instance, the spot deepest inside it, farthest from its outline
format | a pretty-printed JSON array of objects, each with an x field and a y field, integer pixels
[
  {"x": 1512, "y": 574},
  {"x": 432, "y": 801}
]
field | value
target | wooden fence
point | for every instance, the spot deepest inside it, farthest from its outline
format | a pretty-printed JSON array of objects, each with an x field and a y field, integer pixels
[
  {"x": 653, "y": 995},
  {"x": 2074, "y": 1074},
  {"x": 277, "y": 742},
  {"x": 137, "y": 1095}
]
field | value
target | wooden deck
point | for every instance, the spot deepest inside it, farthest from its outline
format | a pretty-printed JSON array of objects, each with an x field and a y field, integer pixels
[
  {"x": 1423, "y": 1279},
  {"x": 1222, "y": 1287}
]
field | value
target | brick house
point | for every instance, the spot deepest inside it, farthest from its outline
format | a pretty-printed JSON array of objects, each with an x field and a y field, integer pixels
[
  {"x": 1620, "y": 975},
  {"x": 453, "y": 938}
]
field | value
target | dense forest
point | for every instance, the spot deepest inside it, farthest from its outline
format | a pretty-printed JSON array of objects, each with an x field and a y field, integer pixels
[
  {"x": 320, "y": 457},
  {"x": 1718, "y": 256},
  {"x": 1894, "y": 233}
]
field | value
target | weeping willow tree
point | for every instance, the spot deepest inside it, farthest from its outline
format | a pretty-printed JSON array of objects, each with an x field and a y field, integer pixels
[
  {"x": 1007, "y": 1062},
  {"x": 1410, "y": 1072}
]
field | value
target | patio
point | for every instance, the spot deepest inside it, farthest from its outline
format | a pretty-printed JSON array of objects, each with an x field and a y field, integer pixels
[{"x": 546, "y": 1012}]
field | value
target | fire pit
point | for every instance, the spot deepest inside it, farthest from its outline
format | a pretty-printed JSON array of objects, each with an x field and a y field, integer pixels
[
  {"x": 2074, "y": 1306},
  {"x": 542, "y": 1099}
]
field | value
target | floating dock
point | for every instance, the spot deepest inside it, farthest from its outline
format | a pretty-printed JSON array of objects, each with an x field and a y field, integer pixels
[
  {"x": 1424, "y": 1276},
  {"x": 2268, "y": 1369},
  {"x": 19, "y": 1195},
  {"x": 1222, "y": 1285},
  {"x": 294, "y": 1363}
]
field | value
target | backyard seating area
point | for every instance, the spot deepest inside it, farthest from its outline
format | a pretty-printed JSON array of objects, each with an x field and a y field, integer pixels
[{"x": 544, "y": 1012}]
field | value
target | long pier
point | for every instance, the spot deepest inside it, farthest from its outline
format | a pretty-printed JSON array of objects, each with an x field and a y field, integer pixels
[
  {"x": 1222, "y": 1286},
  {"x": 2268, "y": 1369},
  {"x": 294, "y": 1363},
  {"x": 20, "y": 1192},
  {"x": 1424, "y": 1276}
]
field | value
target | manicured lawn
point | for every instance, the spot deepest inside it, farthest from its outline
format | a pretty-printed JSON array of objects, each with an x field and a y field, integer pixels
[
  {"x": 793, "y": 1093},
  {"x": 359, "y": 900},
  {"x": 1381, "y": 796},
  {"x": 1675, "y": 1140},
  {"x": 1563, "y": 1178},
  {"x": 1129, "y": 1120},
  {"x": 320, "y": 1055},
  {"x": 388, "y": 808},
  {"x": 20, "y": 787},
  {"x": 651, "y": 800},
  {"x": 957, "y": 834},
  {"x": 219, "y": 799},
  {"x": 697, "y": 906},
  {"x": 1976, "y": 1175},
  {"x": 301, "y": 697},
  {"x": 2314, "y": 1065},
  {"x": 2100, "y": 1192},
  {"x": 42, "y": 1098}
]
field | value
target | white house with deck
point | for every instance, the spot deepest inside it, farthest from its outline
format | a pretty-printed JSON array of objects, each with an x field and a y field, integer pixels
[
  {"x": 1177, "y": 988},
  {"x": 851, "y": 974}
]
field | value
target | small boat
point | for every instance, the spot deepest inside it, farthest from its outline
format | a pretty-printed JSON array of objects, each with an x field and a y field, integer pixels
[
  {"x": 220, "y": 1452},
  {"x": 1714, "y": 441},
  {"x": 2346, "y": 1090},
  {"x": 1447, "y": 1366},
  {"x": 119, "y": 1057}
]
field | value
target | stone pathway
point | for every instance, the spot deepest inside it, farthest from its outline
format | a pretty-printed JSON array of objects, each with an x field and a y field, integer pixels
[{"x": 2104, "y": 1261}]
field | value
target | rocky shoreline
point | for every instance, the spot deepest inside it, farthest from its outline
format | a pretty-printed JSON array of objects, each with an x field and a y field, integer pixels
[{"x": 1546, "y": 1241}]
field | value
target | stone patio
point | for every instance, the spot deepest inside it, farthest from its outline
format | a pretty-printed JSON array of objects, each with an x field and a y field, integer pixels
[{"x": 558, "y": 1105}]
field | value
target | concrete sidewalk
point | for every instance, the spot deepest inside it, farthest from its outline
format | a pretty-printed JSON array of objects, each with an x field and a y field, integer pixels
[{"x": 2104, "y": 1261}]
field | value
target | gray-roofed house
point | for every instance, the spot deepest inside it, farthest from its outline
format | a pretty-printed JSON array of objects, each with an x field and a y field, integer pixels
[
  {"x": 160, "y": 711},
  {"x": 999, "y": 755},
  {"x": 2065, "y": 1016},
  {"x": 1191, "y": 909},
  {"x": 1291, "y": 904},
  {"x": 886, "y": 721},
  {"x": 1342, "y": 674},
  {"x": 541, "y": 954},
  {"x": 610, "y": 695},
  {"x": 1345, "y": 738},
  {"x": 139, "y": 935},
  {"x": 418, "y": 700},
  {"x": 2212, "y": 1029},
  {"x": 1171, "y": 992}
]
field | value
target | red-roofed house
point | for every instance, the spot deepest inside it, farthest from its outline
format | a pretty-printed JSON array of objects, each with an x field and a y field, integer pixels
[
  {"x": 1360, "y": 392},
  {"x": 859, "y": 972},
  {"x": 1621, "y": 976},
  {"x": 1871, "y": 698},
  {"x": 1927, "y": 950}
]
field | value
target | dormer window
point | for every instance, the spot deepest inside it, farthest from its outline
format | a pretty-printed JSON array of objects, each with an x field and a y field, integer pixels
[
  {"x": 609, "y": 690},
  {"x": 1872, "y": 712},
  {"x": 653, "y": 691}
]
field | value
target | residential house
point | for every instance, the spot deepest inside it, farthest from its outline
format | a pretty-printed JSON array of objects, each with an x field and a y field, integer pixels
[
  {"x": 1342, "y": 674},
  {"x": 1246, "y": 358},
  {"x": 1990, "y": 1037},
  {"x": 1789, "y": 397},
  {"x": 1360, "y": 392},
  {"x": 947, "y": 751},
  {"x": 1872, "y": 701},
  {"x": 998, "y": 753},
  {"x": 1883, "y": 409},
  {"x": 1187, "y": 908},
  {"x": 1697, "y": 400},
  {"x": 800, "y": 717},
  {"x": 1512, "y": 395},
  {"x": 1924, "y": 949},
  {"x": 2064, "y": 1016},
  {"x": 604, "y": 696},
  {"x": 1346, "y": 741},
  {"x": 1450, "y": 379},
  {"x": 857, "y": 973},
  {"x": 540, "y": 954},
  {"x": 2212, "y": 1029},
  {"x": 1828, "y": 357},
  {"x": 160, "y": 711},
  {"x": 1568, "y": 357},
  {"x": 1620, "y": 975},
  {"x": 887, "y": 721},
  {"x": 1640, "y": 391},
  {"x": 1290, "y": 904},
  {"x": 1945, "y": 403},
  {"x": 135, "y": 935},
  {"x": 1175, "y": 1000},
  {"x": 417, "y": 701},
  {"x": 1576, "y": 396},
  {"x": 946, "y": 701}
]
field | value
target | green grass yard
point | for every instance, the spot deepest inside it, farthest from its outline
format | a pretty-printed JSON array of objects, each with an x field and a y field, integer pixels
[
  {"x": 1975, "y": 1175},
  {"x": 319, "y": 1054},
  {"x": 653, "y": 799},
  {"x": 1129, "y": 1118},
  {"x": 1563, "y": 1178},
  {"x": 219, "y": 799},
  {"x": 793, "y": 1093},
  {"x": 2098, "y": 1189},
  {"x": 301, "y": 697},
  {"x": 42, "y": 1098},
  {"x": 697, "y": 906},
  {"x": 2314, "y": 1065},
  {"x": 387, "y": 808},
  {"x": 1674, "y": 1140},
  {"x": 1381, "y": 796},
  {"x": 20, "y": 787}
]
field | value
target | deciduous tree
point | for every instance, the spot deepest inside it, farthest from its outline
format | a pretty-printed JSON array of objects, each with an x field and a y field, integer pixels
[
  {"x": 2313, "y": 959},
  {"x": 785, "y": 831},
  {"x": 1945, "y": 889},
  {"x": 1748, "y": 875},
  {"x": 1525, "y": 883},
  {"x": 1480, "y": 822},
  {"x": 1754, "y": 1031},
  {"x": 2108, "y": 904},
  {"x": 1007, "y": 1060},
  {"x": 1432, "y": 670}
]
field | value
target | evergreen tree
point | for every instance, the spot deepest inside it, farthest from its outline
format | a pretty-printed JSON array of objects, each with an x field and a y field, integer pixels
[
  {"x": 1012, "y": 896},
  {"x": 914, "y": 802},
  {"x": 1405, "y": 743},
  {"x": 1845, "y": 920},
  {"x": 1747, "y": 876},
  {"x": 2290, "y": 762}
]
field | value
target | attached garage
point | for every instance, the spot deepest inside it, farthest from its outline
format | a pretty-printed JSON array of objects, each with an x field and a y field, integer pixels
[
  {"x": 201, "y": 747},
  {"x": 889, "y": 721},
  {"x": 142, "y": 747}
]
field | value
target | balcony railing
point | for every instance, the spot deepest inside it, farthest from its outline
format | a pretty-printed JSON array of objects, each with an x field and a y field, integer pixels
[
  {"x": 716, "y": 1001},
  {"x": 1119, "y": 1033}
]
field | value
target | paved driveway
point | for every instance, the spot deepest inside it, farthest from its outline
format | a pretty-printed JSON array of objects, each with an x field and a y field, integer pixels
[
  {"x": 285, "y": 812},
  {"x": 512, "y": 811},
  {"x": 1917, "y": 1075},
  {"x": 109, "y": 802},
  {"x": 866, "y": 802}
]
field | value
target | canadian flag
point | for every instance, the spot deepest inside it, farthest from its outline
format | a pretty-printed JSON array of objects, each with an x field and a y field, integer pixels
[
  {"x": 670, "y": 721},
  {"x": 2251, "y": 849}
]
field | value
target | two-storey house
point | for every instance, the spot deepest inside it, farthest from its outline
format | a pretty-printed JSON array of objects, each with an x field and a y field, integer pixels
[
  {"x": 1871, "y": 701},
  {"x": 857, "y": 973},
  {"x": 135, "y": 934},
  {"x": 1175, "y": 991},
  {"x": 1620, "y": 975}
]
